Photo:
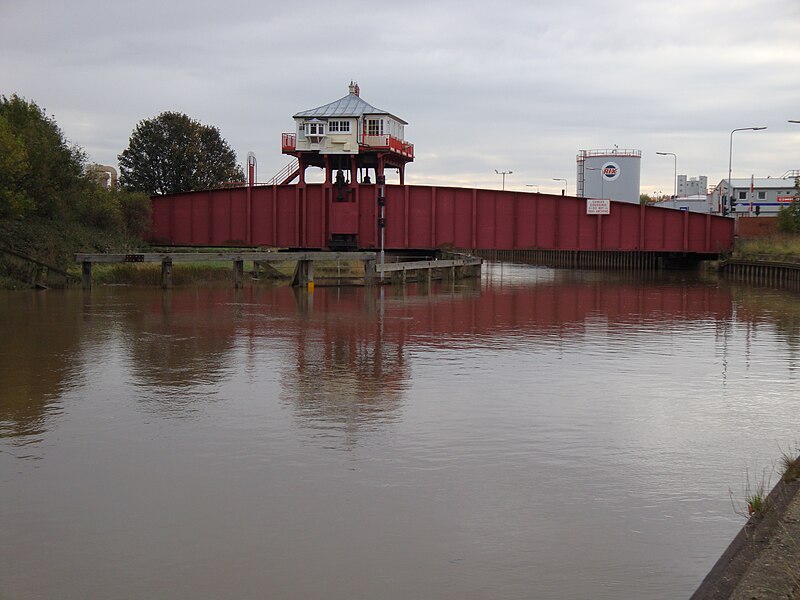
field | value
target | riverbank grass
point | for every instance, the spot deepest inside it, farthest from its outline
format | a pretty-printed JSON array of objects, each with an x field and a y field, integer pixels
[
  {"x": 213, "y": 272},
  {"x": 780, "y": 248}
]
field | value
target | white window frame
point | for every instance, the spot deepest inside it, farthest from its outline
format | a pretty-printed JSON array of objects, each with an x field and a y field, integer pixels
[
  {"x": 378, "y": 129},
  {"x": 342, "y": 127},
  {"x": 317, "y": 129},
  {"x": 762, "y": 195}
]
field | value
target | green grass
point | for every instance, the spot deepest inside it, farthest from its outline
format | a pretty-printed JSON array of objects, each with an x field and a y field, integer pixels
[
  {"x": 754, "y": 495},
  {"x": 790, "y": 465},
  {"x": 210, "y": 272},
  {"x": 783, "y": 248},
  {"x": 54, "y": 243},
  {"x": 756, "y": 502},
  {"x": 150, "y": 274}
]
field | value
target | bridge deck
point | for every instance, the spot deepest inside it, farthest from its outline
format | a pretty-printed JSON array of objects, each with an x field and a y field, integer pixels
[{"x": 426, "y": 217}]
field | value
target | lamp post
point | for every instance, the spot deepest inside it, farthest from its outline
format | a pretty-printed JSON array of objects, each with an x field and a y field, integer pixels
[
  {"x": 564, "y": 191},
  {"x": 730, "y": 159},
  {"x": 533, "y": 185},
  {"x": 675, "y": 173},
  {"x": 503, "y": 173}
]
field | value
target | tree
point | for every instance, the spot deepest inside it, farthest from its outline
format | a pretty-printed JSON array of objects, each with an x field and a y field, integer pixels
[
  {"x": 789, "y": 216},
  {"x": 14, "y": 169},
  {"x": 40, "y": 173},
  {"x": 172, "y": 153}
]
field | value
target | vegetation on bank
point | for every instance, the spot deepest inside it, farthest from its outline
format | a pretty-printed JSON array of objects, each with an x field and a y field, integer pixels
[
  {"x": 51, "y": 204},
  {"x": 777, "y": 248},
  {"x": 54, "y": 204},
  {"x": 217, "y": 272}
]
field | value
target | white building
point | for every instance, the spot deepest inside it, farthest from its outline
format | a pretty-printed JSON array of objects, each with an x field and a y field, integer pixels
[
  {"x": 698, "y": 203},
  {"x": 695, "y": 186},
  {"x": 757, "y": 196}
]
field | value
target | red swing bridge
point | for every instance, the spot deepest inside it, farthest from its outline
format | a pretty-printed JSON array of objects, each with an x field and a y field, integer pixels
[{"x": 355, "y": 209}]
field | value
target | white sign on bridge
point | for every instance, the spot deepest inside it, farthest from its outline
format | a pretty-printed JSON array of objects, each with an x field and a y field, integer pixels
[{"x": 597, "y": 206}]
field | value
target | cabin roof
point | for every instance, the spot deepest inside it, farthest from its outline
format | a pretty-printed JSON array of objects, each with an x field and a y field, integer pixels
[{"x": 349, "y": 106}]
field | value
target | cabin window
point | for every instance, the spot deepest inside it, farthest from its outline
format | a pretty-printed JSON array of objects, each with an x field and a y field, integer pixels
[
  {"x": 338, "y": 126},
  {"x": 742, "y": 195},
  {"x": 762, "y": 195},
  {"x": 315, "y": 128},
  {"x": 374, "y": 126}
]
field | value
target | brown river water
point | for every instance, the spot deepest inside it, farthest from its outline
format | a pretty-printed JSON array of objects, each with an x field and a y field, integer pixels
[{"x": 534, "y": 434}]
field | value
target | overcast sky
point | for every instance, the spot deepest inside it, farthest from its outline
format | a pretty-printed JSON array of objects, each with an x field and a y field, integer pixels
[{"x": 506, "y": 85}]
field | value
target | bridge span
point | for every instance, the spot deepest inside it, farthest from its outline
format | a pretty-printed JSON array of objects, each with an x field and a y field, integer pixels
[{"x": 327, "y": 216}]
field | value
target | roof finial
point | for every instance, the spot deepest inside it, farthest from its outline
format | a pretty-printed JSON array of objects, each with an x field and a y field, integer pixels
[{"x": 353, "y": 88}]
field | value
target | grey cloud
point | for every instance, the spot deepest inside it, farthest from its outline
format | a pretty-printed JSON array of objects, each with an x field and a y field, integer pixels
[{"x": 522, "y": 84}]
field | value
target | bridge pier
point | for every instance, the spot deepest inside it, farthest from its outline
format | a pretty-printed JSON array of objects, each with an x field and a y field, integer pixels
[
  {"x": 303, "y": 274},
  {"x": 401, "y": 272}
]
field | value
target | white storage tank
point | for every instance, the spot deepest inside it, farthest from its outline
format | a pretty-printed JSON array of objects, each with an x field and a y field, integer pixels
[{"x": 613, "y": 174}]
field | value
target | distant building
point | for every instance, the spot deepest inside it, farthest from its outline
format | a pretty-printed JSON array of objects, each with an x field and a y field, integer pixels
[
  {"x": 613, "y": 174},
  {"x": 696, "y": 186},
  {"x": 698, "y": 203},
  {"x": 103, "y": 175},
  {"x": 757, "y": 196}
]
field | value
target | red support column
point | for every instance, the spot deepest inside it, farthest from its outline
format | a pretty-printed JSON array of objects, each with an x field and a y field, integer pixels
[
  {"x": 302, "y": 167},
  {"x": 379, "y": 170}
]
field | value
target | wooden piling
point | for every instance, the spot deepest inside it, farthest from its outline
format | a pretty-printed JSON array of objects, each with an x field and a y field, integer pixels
[
  {"x": 238, "y": 273},
  {"x": 86, "y": 275},
  {"x": 166, "y": 273}
]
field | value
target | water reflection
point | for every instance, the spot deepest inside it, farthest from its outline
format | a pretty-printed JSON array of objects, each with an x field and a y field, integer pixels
[
  {"x": 346, "y": 349},
  {"x": 39, "y": 345},
  {"x": 180, "y": 343},
  {"x": 539, "y": 433}
]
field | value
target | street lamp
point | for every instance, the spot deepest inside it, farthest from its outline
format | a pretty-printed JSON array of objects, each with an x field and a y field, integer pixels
[
  {"x": 503, "y": 173},
  {"x": 675, "y": 174},
  {"x": 730, "y": 158},
  {"x": 533, "y": 185},
  {"x": 564, "y": 191}
]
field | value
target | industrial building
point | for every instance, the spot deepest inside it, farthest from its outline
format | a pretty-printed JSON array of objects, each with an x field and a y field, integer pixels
[
  {"x": 614, "y": 174},
  {"x": 694, "y": 186},
  {"x": 756, "y": 196}
]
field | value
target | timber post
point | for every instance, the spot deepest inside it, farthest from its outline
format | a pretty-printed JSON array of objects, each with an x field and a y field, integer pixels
[
  {"x": 238, "y": 273},
  {"x": 86, "y": 275},
  {"x": 369, "y": 271},
  {"x": 166, "y": 273}
]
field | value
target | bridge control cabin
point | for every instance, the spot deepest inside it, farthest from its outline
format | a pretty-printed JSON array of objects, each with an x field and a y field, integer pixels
[{"x": 349, "y": 139}]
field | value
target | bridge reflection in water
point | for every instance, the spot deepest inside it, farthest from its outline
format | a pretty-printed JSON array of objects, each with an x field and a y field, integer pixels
[{"x": 348, "y": 346}]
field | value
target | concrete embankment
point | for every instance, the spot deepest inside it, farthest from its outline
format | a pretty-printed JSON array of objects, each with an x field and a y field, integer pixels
[{"x": 763, "y": 560}]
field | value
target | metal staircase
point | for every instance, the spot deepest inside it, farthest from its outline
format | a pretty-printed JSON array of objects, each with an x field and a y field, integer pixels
[{"x": 286, "y": 174}]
